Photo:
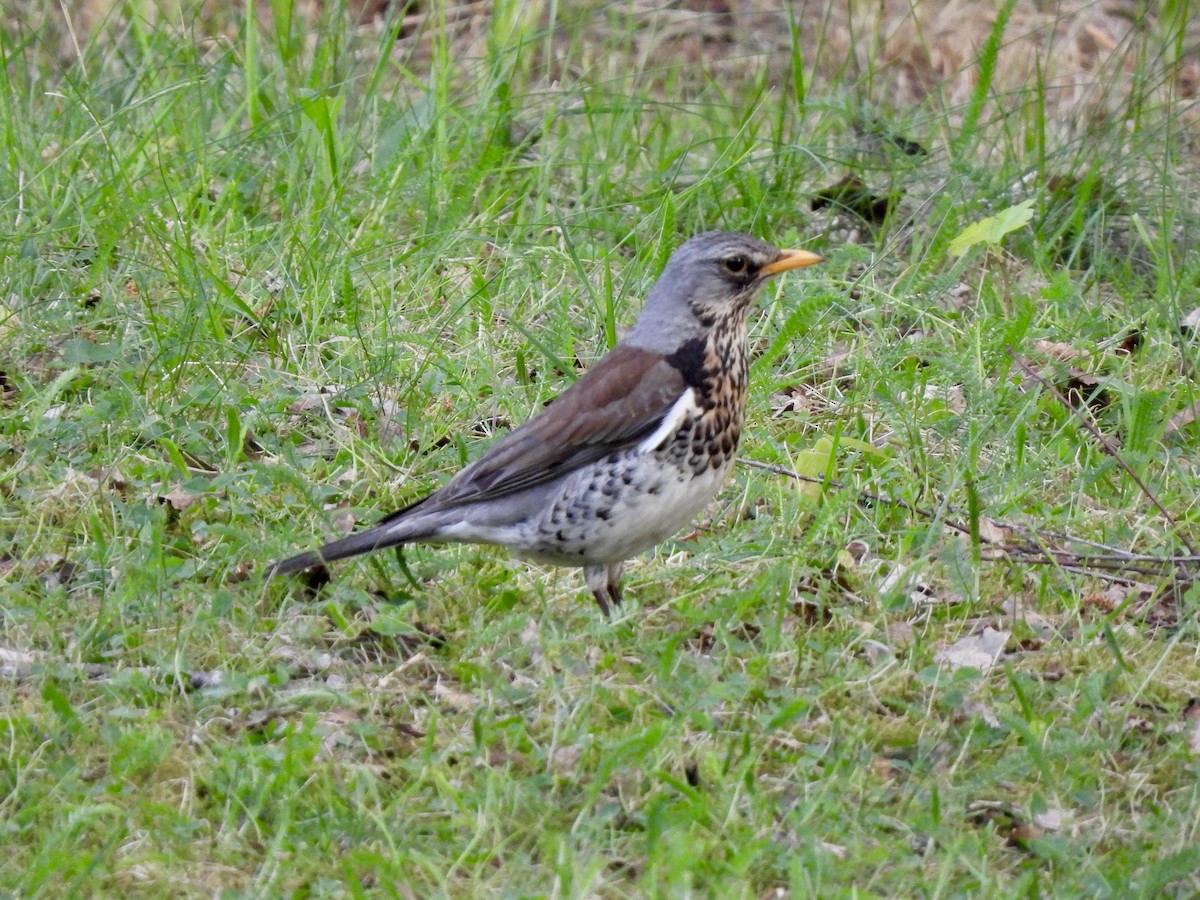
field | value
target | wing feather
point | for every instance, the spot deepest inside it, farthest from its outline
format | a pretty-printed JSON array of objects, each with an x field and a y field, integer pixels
[{"x": 613, "y": 406}]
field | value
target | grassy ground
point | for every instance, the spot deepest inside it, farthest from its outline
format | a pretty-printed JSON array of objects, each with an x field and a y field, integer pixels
[{"x": 266, "y": 280}]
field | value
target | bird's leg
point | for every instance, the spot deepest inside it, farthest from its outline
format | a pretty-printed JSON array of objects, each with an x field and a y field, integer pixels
[
  {"x": 599, "y": 582},
  {"x": 613, "y": 580}
]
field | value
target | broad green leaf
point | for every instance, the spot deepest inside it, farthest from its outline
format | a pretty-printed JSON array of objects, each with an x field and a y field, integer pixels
[{"x": 993, "y": 229}]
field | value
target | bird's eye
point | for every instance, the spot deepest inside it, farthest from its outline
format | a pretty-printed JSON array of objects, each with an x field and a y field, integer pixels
[{"x": 737, "y": 265}]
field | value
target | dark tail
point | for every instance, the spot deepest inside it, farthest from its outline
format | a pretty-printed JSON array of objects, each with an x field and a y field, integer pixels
[
  {"x": 375, "y": 538},
  {"x": 388, "y": 533}
]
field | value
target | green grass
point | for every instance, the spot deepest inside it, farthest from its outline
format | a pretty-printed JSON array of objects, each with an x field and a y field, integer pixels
[{"x": 262, "y": 280}]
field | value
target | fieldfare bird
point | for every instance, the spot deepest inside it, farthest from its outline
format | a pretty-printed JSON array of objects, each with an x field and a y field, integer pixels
[{"x": 626, "y": 456}]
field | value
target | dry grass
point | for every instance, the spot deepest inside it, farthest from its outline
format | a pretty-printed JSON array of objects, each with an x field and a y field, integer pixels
[{"x": 1080, "y": 62}]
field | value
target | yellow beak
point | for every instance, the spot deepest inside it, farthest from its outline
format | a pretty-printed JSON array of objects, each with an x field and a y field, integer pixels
[{"x": 791, "y": 259}]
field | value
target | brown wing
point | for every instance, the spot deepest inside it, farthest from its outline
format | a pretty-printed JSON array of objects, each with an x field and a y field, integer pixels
[{"x": 616, "y": 403}]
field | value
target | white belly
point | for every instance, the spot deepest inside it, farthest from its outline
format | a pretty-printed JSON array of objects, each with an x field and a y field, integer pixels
[{"x": 635, "y": 519}]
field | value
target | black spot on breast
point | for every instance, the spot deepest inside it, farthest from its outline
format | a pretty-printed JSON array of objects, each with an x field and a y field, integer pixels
[{"x": 689, "y": 360}]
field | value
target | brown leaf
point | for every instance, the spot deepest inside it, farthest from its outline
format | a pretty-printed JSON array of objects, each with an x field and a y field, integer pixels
[
  {"x": 1023, "y": 833},
  {"x": 990, "y": 532},
  {"x": 1130, "y": 342},
  {"x": 241, "y": 572},
  {"x": 796, "y": 398},
  {"x": 308, "y": 402},
  {"x": 900, "y": 634},
  {"x": 178, "y": 498},
  {"x": 884, "y": 767},
  {"x": 457, "y": 700},
  {"x": 834, "y": 367},
  {"x": 812, "y": 613},
  {"x": 1082, "y": 389},
  {"x": 1182, "y": 419},
  {"x": 1054, "y": 818},
  {"x": 978, "y": 651},
  {"x": 345, "y": 521},
  {"x": 1061, "y": 351},
  {"x": 565, "y": 760},
  {"x": 1009, "y": 824}
]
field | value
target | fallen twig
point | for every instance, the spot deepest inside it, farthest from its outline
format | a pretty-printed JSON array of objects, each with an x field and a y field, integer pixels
[{"x": 1034, "y": 548}]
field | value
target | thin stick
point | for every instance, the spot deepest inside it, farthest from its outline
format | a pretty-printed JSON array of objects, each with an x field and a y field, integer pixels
[
  {"x": 863, "y": 495},
  {"x": 1033, "y": 551}
]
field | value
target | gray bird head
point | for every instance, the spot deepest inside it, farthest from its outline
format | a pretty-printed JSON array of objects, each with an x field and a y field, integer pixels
[{"x": 714, "y": 276}]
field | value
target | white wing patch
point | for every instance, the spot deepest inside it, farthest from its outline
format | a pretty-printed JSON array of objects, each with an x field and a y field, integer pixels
[{"x": 684, "y": 407}]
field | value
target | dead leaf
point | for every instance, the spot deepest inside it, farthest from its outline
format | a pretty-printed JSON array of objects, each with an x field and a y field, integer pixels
[
  {"x": 796, "y": 398},
  {"x": 1054, "y": 818},
  {"x": 955, "y": 399},
  {"x": 990, "y": 532},
  {"x": 834, "y": 368},
  {"x": 1182, "y": 419},
  {"x": 241, "y": 572},
  {"x": 919, "y": 593},
  {"x": 1007, "y": 821},
  {"x": 1082, "y": 389},
  {"x": 178, "y": 498},
  {"x": 1130, "y": 342},
  {"x": 884, "y": 767},
  {"x": 565, "y": 760},
  {"x": 1061, "y": 351},
  {"x": 345, "y": 521},
  {"x": 1189, "y": 325},
  {"x": 307, "y": 403},
  {"x": 900, "y": 634},
  {"x": 978, "y": 651},
  {"x": 809, "y": 611},
  {"x": 877, "y": 652},
  {"x": 460, "y": 701},
  {"x": 980, "y": 709},
  {"x": 17, "y": 663},
  {"x": 836, "y": 850}
]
